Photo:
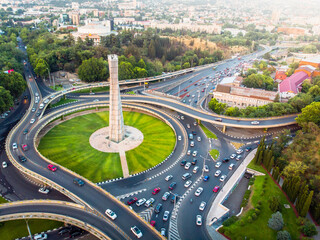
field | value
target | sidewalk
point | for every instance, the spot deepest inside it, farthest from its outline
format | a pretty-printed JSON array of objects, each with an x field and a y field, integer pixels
[{"x": 217, "y": 210}]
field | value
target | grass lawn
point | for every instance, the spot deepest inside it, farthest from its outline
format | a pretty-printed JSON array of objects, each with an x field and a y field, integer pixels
[
  {"x": 214, "y": 153},
  {"x": 95, "y": 90},
  {"x": 208, "y": 132},
  {"x": 2, "y": 200},
  {"x": 62, "y": 101},
  {"x": 18, "y": 228},
  {"x": 68, "y": 144},
  {"x": 259, "y": 229},
  {"x": 57, "y": 87}
]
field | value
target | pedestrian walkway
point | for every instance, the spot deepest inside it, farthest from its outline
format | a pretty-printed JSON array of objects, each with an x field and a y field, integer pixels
[
  {"x": 217, "y": 210},
  {"x": 173, "y": 230},
  {"x": 124, "y": 164}
]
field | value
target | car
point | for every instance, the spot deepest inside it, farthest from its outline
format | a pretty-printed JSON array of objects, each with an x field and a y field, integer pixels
[
  {"x": 179, "y": 138},
  {"x": 172, "y": 185},
  {"x": 186, "y": 176},
  {"x": 41, "y": 106},
  {"x": 199, "y": 220},
  {"x": 25, "y": 131},
  {"x": 14, "y": 146},
  {"x": 22, "y": 158},
  {"x": 238, "y": 157},
  {"x": 75, "y": 234},
  {"x": 38, "y": 114},
  {"x": 132, "y": 200},
  {"x": 140, "y": 202},
  {"x": 156, "y": 190},
  {"x": 183, "y": 100},
  {"x": 183, "y": 162},
  {"x": 248, "y": 149},
  {"x": 192, "y": 144},
  {"x": 40, "y": 236},
  {"x": 198, "y": 191},
  {"x": 174, "y": 198},
  {"x": 233, "y": 156},
  {"x": 78, "y": 181},
  {"x": 202, "y": 206},
  {"x": 182, "y": 117},
  {"x": 222, "y": 178},
  {"x": 46, "y": 101},
  {"x": 195, "y": 101},
  {"x": 188, "y": 125},
  {"x": 163, "y": 232},
  {"x": 136, "y": 231},
  {"x": 64, "y": 230},
  {"x": 44, "y": 190},
  {"x": 195, "y": 169},
  {"x": 194, "y": 161},
  {"x": 187, "y": 166},
  {"x": 218, "y": 164},
  {"x": 189, "y": 100},
  {"x": 225, "y": 160},
  {"x": 189, "y": 152},
  {"x": 231, "y": 166},
  {"x": 216, "y": 189},
  {"x": 217, "y": 173},
  {"x": 149, "y": 202},
  {"x": 111, "y": 214},
  {"x": 193, "y": 95},
  {"x": 165, "y": 216},
  {"x": 195, "y": 124},
  {"x": 188, "y": 183},
  {"x": 168, "y": 178},
  {"x": 4, "y": 164},
  {"x": 165, "y": 196},
  {"x": 255, "y": 123},
  {"x": 96, "y": 100},
  {"x": 153, "y": 223},
  {"x": 194, "y": 153},
  {"x": 206, "y": 178},
  {"x": 206, "y": 168},
  {"x": 33, "y": 109},
  {"x": 194, "y": 133},
  {"x": 158, "y": 208},
  {"x": 52, "y": 168},
  {"x": 199, "y": 139},
  {"x": 32, "y": 120},
  {"x": 218, "y": 119},
  {"x": 24, "y": 147},
  {"x": 239, "y": 151}
]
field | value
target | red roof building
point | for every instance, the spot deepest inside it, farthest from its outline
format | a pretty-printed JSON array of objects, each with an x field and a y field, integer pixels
[
  {"x": 291, "y": 85},
  {"x": 280, "y": 75}
]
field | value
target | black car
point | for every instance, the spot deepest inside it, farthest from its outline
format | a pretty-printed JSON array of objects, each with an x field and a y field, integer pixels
[
  {"x": 194, "y": 132},
  {"x": 194, "y": 161},
  {"x": 64, "y": 230},
  {"x": 22, "y": 158},
  {"x": 38, "y": 114},
  {"x": 225, "y": 160},
  {"x": 25, "y": 131},
  {"x": 78, "y": 181},
  {"x": 75, "y": 234},
  {"x": 172, "y": 185},
  {"x": 158, "y": 208},
  {"x": 183, "y": 162}
]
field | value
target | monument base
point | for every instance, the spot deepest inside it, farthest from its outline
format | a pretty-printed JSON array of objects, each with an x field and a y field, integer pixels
[{"x": 100, "y": 140}]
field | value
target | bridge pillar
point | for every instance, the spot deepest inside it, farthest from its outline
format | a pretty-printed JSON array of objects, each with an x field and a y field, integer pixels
[
  {"x": 97, "y": 109},
  {"x": 199, "y": 121},
  {"x": 62, "y": 117},
  {"x": 265, "y": 130},
  {"x": 139, "y": 83},
  {"x": 64, "y": 97},
  {"x": 224, "y": 128}
]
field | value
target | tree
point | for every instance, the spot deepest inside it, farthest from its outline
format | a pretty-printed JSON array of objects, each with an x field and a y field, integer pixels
[
  {"x": 13, "y": 82},
  {"x": 125, "y": 71},
  {"x": 306, "y": 205},
  {"x": 41, "y": 68},
  {"x": 186, "y": 65},
  {"x": 276, "y": 174},
  {"x": 310, "y": 113},
  {"x": 141, "y": 64},
  {"x": 6, "y": 100},
  {"x": 276, "y": 221},
  {"x": 274, "y": 204},
  {"x": 140, "y": 72},
  {"x": 93, "y": 70},
  {"x": 309, "y": 229},
  {"x": 283, "y": 235},
  {"x": 217, "y": 107},
  {"x": 294, "y": 169},
  {"x": 152, "y": 49}
]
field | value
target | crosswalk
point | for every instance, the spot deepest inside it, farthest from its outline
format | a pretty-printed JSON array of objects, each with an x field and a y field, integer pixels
[
  {"x": 173, "y": 230},
  {"x": 146, "y": 214}
]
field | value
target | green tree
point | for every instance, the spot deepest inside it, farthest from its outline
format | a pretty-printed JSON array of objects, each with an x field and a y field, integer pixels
[
  {"x": 274, "y": 204},
  {"x": 283, "y": 235},
  {"x": 217, "y": 107},
  {"x": 93, "y": 70},
  {"x": 310, "y": 113},
  {"x": 306, "y": 205},
  {"x": 309, "y": 229},
  {"x": 152, "y": 50},
  {"x": 126, "y": 71},
  {"x": 141, "y": 64},
  {"x": 276, "y": 221},
  {"x": 186, "y": 65},
  {"x": 140, "y": 72},
  {"x": 41, "y": 68},
  {"x": 13, "y": 82},
  {"x": 6, "y": 100}
]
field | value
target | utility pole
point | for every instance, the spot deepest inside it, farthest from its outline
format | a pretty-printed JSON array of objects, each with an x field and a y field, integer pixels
[
  {"x": 30, "y": 235},
  {"x": 204, "y": 161}
]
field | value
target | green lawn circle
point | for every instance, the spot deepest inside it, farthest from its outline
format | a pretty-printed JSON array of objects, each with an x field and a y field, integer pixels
[{"x": 68, "y": 145}]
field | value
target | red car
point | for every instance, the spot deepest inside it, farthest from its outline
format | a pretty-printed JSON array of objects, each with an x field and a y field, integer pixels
[
  {"x": 188, "y": 95},
  {"x": 216, "y": 189},
  {"x": 132, "y": 200},
  {"x": 153, "y": 223},
  {"x": 52, "y": 168},
  {"x": 24, "y": 147},
  {"x": 155, "y": 191}
]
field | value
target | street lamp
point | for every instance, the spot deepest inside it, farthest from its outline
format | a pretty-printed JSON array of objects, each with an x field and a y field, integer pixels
[{"x": 30, "y": 235}]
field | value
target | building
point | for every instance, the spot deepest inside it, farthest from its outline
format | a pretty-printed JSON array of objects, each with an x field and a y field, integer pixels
[
  {"x": 242, "y": 97},
  {"x": 292, "y": 31},
  {"x": 75, "y": 18},
  {"x": 234, "y": 31},
  {"x": 315, "y": 62},
  {"x": 280, "y": 75},
  {"x": 291, "y": 86}
]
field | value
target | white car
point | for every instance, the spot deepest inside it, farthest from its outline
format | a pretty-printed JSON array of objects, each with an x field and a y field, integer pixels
[
  {"x": 218, "y": 164},
  {"x": 182, "y": 117},
  {"x": 199, "y": 220},
  {"x": 40, "y": 236},
  {"x": 189, "y": 152},
  {"x": 239, "y": 151},
  {"x": 206, "y": 168},
  {"x": 198, "y": 192},
  {"x": 149, "y": 202},
  {"x": 233, "y": 156},
  {"x": 168, "y": 178},
  {"x": 179, "y": 138},
  {"x": 231, "y": 166},
  {"x": 166, "y": 216},
  {"x": 4, "y": 164},
  {"x": 187, "y": 166},
  {"x": 202, "y": 206},
  {"x": 41, "y": 106},
  {"x": 163, "y": 232},
  {"x": 188, "y": 183},
  {"x": 222, "y": 178},
  {"x": 111, "y": 214},
  {"x": 195, "y": 169},
  {"x": 44, "y": 190},
  {"x": 188, "y": 125},
  {"x": 96, "y": 100},
  {"x": 238, "y": 157},
  {"x": 192, "y": 144},
  {"x": 217, "y": 173},
  {"x": 195, "y": 124},
  {"x": 46, "y": 101},
  {"x": 194, "y": 153},
  {"x": 32, "y": 120},
  {"x": 14, "y": 146},
  {"x": 33, "y": 109},
  {"x": 193, "y": 95},
  {"x": 140, "y": 202},
  {"x": 255, "y": 123},
  {"x": 136, "y": 231},
  {"x": 199, "y": 139}
]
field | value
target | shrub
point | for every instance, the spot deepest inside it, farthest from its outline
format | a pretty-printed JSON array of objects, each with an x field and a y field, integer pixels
[
  {"x": 254, "y": 216},
  {"x": 276, "y": 221},
  {"x": 242, "y": 222},
  {"x": 257, "y": 212},
  {"x": 274, "y": 204},
  {"x": 222, "y": 230},
  {"x": 230, "y": 221},
  {"x": 249, "y": 219},
  {"x": 283, "y": 235},
  {"x": 301, "y": 221},
  {"x": 258, "y": 207},
  {"x": 227, "y": 233},
  {"x": 309, "y": 229}
]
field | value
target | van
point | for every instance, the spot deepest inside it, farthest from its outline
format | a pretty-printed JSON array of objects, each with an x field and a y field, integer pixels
[{"x": 40, "y": 236}]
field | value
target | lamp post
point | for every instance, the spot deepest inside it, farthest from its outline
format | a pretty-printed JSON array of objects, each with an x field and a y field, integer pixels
[{"x": 30, "y": 235}]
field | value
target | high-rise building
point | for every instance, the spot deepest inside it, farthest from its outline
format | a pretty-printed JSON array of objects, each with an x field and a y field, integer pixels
[{"x": 75, "y": 18}]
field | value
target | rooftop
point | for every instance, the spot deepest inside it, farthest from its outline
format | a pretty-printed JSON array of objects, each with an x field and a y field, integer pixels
[{"x": 292, "y": 83}]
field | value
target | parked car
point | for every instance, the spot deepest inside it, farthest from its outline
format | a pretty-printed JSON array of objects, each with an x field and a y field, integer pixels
[
  {"x": 238, "y": 157},
  {"x": 202, "y": 206},
  {"x": 199, "y": 139},
  {"x": 218, "y": 164},
  {"x": 198, "y": 191},
  {"x": 149, "y": 202},
  {"x": 222, "y": 178},
  {"x": 163, "y": 232},
  {"x": 189, "y": 152},
  {"x": 165, "y": 196},
  {"x": 195, "y": 169},
  {"x": 194, "y": 161},
  {"x": 168, "y": 178},
  {"x": 188, "y": 183},
  {"x": 192, "y": 144},
  {"x": 155, "y": 191},
  {"x": 153, "y": 223},
  {"x": 231, "y": 166},
  {"x": 136, "y": 231},
  {"x": 166, "y": 216},
  {"x": 186, "y": 176},
  {"x": 217, "y": 173},
  {"x": 111, "y": 214},
  {"x": 199, "y": 220},
  {"x": 158, "y": 208},
  {"x": 206, "y": 168},
  {"x": 132, "y": 200},
  {"x": 172, "y": 185},
  {"x": 216, "y": 189},
  {"x": 248, "y": 149},
  {"x": 206, "y": 178},
  {"x": 174, "y": 198},
  {"x": 233, "y": 156},
  {"x": 239, "y": 151},
  {"x": 225, "y": 160},
  {"x": 187, "y": 166},
  {"x": 140, "y": 202},
  {"x": 194, "y": 153},
  {"x": 183, "y": 162}
]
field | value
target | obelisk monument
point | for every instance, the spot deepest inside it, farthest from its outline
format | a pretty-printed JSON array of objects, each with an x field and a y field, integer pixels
[{"x": 116, "y": 125}]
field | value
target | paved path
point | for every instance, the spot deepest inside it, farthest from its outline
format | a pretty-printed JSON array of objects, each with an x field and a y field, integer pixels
[{"x": 124, "y": 164}]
